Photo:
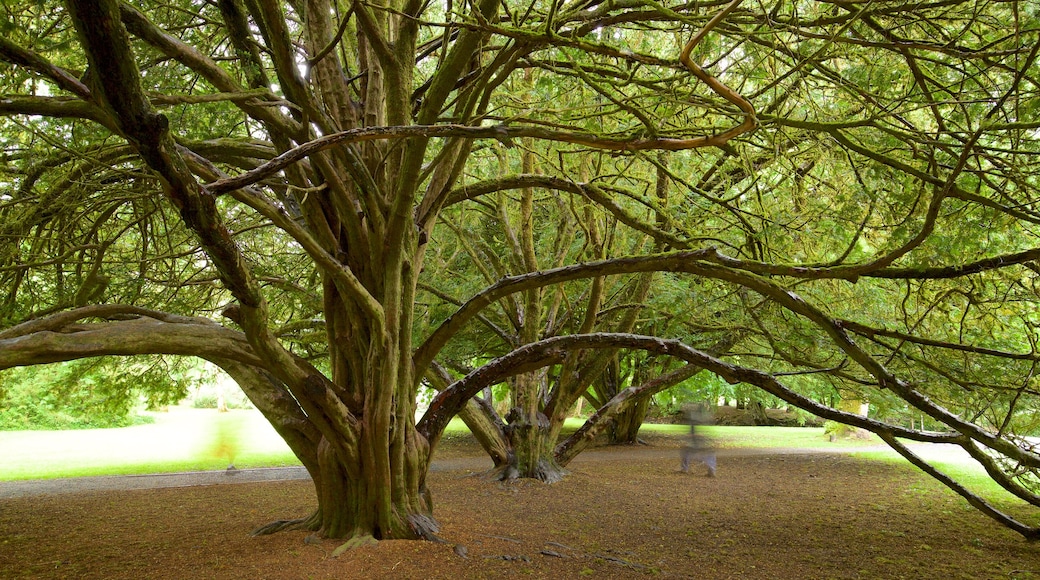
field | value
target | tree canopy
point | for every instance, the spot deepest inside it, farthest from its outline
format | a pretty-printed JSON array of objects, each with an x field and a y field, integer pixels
[{"x": 338, "y": 202}]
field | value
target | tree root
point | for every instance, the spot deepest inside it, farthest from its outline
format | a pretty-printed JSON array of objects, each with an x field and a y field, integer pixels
[
  {"x": 310, "y": 523},
  {"x": 546, "y": 472},
  {"x": 636, "y": 441},
  {"x": 355, "y": 542},
  {"x": 425, "y": 527}
]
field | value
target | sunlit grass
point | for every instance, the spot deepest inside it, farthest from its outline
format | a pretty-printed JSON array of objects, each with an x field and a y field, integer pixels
[
  {"x": 187, "y": 439},
  {"x": 728, "y": 437},
  {"x": 180, "y": 440},
  {"x": 954, "y": 463}
]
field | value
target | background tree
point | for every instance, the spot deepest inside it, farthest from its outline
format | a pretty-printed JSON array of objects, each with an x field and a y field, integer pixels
[
  {"x": 93, "y": 393},
  {"x": 234, "y": 179}
]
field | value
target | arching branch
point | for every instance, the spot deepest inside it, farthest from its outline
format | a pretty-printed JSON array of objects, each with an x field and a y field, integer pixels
[{"x": 554, "y": 350}]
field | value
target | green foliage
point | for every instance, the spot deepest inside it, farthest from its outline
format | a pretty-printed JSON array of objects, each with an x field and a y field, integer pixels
[
  {"x": 91, "y": 393},
  {"x": 32, "y": 405}
]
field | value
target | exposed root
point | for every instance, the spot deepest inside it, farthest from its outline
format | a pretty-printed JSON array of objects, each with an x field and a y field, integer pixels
[
  {"x": 551, "y": 474},
  {"x": 503, "y": 538},
  {"x": 546, "y": 472},
  {"x": 621, "y": 562},
  {"x": 310, "y": 523},
  {"x": 425, "y": 527},
  {"x": 355, "y": 542},
  {"x": 505, "y": 472}
]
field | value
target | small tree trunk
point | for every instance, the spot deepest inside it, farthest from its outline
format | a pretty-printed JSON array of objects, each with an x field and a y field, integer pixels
[
  {"x": 531, "y": 443},
  {"x": 625, "y": 430},
  {"x": 530, "y": 434},
  {"x": 487, "y": 429},
  {"x": 758, "y": 413}
]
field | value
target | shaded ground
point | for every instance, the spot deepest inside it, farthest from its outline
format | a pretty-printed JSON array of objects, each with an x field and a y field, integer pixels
[{"x": 624, "y": 512}]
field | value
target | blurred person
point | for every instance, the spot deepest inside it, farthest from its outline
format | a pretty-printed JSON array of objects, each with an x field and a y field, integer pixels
[{"x": 698, "y": 448}]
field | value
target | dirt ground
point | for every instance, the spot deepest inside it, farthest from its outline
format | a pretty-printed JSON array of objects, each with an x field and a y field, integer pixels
[{"x": 622, "y": 513}]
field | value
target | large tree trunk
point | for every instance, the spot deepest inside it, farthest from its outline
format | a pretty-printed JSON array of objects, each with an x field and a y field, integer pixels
[
  {"x": 346, "y": 495},
  {"x": 344, "y": 500},
  {"x": 372, "y": 463}
]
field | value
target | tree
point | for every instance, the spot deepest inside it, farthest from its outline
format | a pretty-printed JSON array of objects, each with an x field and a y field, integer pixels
[
  {"x": 257, "y": 183},
  {"x": 494, "y": 241}
]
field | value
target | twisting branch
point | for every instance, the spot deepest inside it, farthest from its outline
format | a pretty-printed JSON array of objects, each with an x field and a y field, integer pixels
[
  {"x": 501, "y": 133},
  {"x": 750, "y": 122},
  {"x": 870, "y": 332},
  {"x": 554, "y": 350}
]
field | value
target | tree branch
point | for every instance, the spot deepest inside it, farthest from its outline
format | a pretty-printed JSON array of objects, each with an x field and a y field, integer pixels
[
  {"x": 1030, "y": 533},
  {"x": 554, "y": 350},
  {"x": 54, "y": 342},
  {"x": 16, "y": 55}
]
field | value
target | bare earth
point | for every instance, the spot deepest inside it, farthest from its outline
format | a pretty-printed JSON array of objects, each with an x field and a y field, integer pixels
[{"x": 623, "y": 513}]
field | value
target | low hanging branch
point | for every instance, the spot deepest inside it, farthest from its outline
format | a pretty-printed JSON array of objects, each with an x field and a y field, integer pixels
[
  {"x": 1030, "y": 533},
  {"x": 72, "y": 340},
  {"x": 569, "y": 448},
  {"x": 698, "y": 262},
  {"x": 553, "y": 350}
]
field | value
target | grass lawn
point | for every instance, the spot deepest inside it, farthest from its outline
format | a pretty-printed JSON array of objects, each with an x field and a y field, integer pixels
[
  {"x": 183, "y": 439},
  {"x": 766, "y": 437},
  {"x": 187, "y": 439}
]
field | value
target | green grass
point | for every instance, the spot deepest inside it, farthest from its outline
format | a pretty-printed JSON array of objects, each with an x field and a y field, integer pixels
[
  {"x": 956, "y": 465},
  {"x": 186, "y": 439},
  {"x": 181, "y": 440},
  {"x": 765, "y": 437}
]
